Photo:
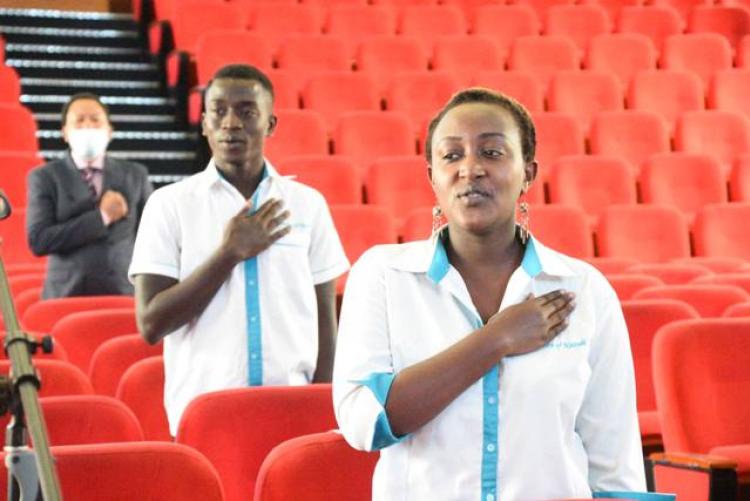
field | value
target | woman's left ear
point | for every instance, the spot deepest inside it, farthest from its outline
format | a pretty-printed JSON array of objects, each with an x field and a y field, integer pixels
[{"x": 530, "y": 171}]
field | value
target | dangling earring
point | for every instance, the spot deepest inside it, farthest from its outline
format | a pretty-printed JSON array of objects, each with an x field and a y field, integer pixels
[
  {"x": 523, "y": 207},
  {"x": 438, "y": 220}
]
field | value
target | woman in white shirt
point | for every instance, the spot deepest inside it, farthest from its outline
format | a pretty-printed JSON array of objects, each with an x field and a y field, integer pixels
[{"x": 482, "y": 364}]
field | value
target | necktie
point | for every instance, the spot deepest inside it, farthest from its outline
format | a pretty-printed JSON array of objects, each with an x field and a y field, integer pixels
[{"x": 87, "y": 173}]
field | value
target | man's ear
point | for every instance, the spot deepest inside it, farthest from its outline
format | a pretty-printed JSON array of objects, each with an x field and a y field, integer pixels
[
  {"x": 203, "y": 124},
  {"x": 272, "y": 121}
]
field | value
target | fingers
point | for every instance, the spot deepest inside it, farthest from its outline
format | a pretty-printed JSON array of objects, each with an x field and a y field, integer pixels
[{"x": 246, "y": 208}]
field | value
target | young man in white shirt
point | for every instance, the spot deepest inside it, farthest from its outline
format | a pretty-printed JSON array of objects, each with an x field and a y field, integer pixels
[{"x": 235, "y": 267}]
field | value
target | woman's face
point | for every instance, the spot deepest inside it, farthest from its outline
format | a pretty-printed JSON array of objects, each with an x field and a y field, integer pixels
[{"x": 477, "y": 169}]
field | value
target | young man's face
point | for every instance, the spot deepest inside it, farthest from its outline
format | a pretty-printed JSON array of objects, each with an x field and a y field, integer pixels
[
  {"x": 85, "y": 114},
  {"x": 238, "y": 118}
]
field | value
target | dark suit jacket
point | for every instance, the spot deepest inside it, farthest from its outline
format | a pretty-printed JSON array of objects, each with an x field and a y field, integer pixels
[{"x": 63, "y": 221}]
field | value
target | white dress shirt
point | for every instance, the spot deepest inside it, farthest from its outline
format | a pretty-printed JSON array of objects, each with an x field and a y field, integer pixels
[
  {"x": 558, "y": 422},
  {"x": 182, "y": 225}
]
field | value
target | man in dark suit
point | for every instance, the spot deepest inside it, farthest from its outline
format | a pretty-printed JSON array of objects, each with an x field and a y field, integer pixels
[{"x": 83, "y": 210}]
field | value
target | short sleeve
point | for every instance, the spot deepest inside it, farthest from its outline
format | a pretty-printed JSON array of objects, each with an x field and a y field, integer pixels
[
  {"x": 363, "y": 369},
  {"x": 326, "y": 254},
  {"x": 157, "y": 243}
]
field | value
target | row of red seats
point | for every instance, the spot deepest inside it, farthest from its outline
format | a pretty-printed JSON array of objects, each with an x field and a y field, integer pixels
[{"x": 426, "y": 23}]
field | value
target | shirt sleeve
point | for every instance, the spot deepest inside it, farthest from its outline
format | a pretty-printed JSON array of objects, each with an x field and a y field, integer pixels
[
  {"x": 157, "y": 244},
  {"x": 327, "y": 257},
  {"x": 363, "y": 369},
  {"x": 608, "y": 420}
]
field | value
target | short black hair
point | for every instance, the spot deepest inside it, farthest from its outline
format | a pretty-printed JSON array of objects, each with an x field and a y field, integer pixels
[
  {"x": 241, "y": 72},
  {"x": 488, "y": 96},
  {"x": 83, "y": 95}
]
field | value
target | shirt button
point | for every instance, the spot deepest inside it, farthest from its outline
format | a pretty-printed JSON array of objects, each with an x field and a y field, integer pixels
[
  {"x": 490, "y": 497},
  {"x": 491, "y": 400},
  {"x": 491, "y": 448},
  {"x": 253, "y": 318},
  {"x": 251, "y": 283},
  {"x": 254, "y": 356}
]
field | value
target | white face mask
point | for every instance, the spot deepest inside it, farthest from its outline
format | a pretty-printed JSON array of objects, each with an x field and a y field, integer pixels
[{"x": 88, "y": 144}]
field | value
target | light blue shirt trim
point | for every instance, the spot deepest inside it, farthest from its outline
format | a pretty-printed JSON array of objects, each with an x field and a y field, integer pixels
[
  {"x": 379, "y": 384},
  {"x": 252, "y": 302},
  {"x": 439, "y": 266},
  {"x": 530, "y": 262}
]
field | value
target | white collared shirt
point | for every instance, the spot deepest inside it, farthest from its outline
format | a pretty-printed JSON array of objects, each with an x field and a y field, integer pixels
[
  {"x": 554, "y": 423},
  {"x": 182, "y": 225}
]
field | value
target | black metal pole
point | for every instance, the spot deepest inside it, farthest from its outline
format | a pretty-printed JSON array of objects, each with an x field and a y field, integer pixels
[{"x": 26, "y": 383}]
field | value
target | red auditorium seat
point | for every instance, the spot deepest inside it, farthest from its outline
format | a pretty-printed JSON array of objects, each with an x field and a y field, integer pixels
[
  {"x": 356, "y": 237},
  {"x": 286, "y": 89},
  {"x": 741, "y": 280},
  {"x": 298, "y": 132},
  {"x": 670, "y": 93},
  {"x": 562, "y": 228},
  {"x": 733, "y": 22},
  {"x": 541, "y": 7},
  {"x": 113, "y": 357},
  {"x": 505, "y": 23},
  {"x": 417, "y": 225},
  {"x": 702, "y": 54},
  {"x": 701, "y": 367},
  {"x": 557, "y": 135},
  {"x": 470, "y": 8},
  {"x": 717, "y": 264},
  {"x": 24, "y": 269},
  {"x": 217, "y": 48},
  {"x": 236, "y": 429},
  {"x": 644, "y": 318},
  {"x": 671, "y": 273},
  {"x": 613, "y": 7},
  {"x": 10, "y": 85},
  {"x": 89, "y": 419},
  {"x": 306, "y": 55},
  {"x": 725, "y": 134},
  {"x": 142, "y": 389},
  {"x": 739, "y": 181},
  {"x": 82, "y": 333},
  {"x": 25, "y": 299},
  {"x": 739, "y": 310},
  {"x": 15, "y": 249},
  {"x": 14, "y": 167},
  {"x": 687, "y": 181},
  {"x": 275, "y": 21},
  {"x": 743, "y": 52},
  {"x": 519, "y": 85},
  {"x": 133, "y": 470},
  {"x": 356, "y": 24},
  {"x": 57, "y": 378},
  {"x": 383, "y": 57},
  {"x": 580, "y": 23},
  {"x": 400, "y": 185},
  {"x": 367, "y": 135},
  {"x": 465, "y": 55},
  {"x": 428, "y": 22},
  {"x": 626, "y": 285},
  {"x": 728, "y": 91},
  {"x": 591, "y": 183},
  {"x": 42, "y": 316},
  {"x": 17, "y": 129},
  {"x": 649, "y": 233},
  {"x": 420, "y": 94},
  {"x": 612, "y": 265},
  {"x": 336, "y": 178},
  {"x": 631, "y": 135},
  {"x": 193, "y": 18},
  {"x": 708, "y": 300},
  {"x": 309, "y": 467},
  {"x": 683, "y": 7},
  {"x": 20, "y": 283},
  {"x": 334, "y": 94},
  {"x": 583, "y": 94},
  {"x": 543, "y": 56},
  {"x": 655, "y": 21},
  {"x": 622, "y": 54}
]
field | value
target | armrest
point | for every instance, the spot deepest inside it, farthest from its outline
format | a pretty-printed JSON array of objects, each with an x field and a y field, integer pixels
[
  {"x": 692, "y": 477},
  {"x": 689, "y": 460}
]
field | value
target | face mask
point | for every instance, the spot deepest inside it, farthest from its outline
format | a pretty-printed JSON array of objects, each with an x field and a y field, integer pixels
[{"x": 88, "y": 144}]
